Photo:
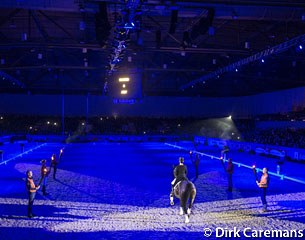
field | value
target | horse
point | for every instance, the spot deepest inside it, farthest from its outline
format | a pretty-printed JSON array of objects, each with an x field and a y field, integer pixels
[{"x": 184, "y": 190}]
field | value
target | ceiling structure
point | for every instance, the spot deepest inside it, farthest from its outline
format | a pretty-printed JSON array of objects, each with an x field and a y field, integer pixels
[{"x": 216, "y": 48}]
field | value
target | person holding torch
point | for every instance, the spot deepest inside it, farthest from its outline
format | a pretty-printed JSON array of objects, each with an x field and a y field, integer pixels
[
  {"x": 44, "y": 176},
  {"x": 263, "y": 185},
  {"x": 54, "y": 163}
]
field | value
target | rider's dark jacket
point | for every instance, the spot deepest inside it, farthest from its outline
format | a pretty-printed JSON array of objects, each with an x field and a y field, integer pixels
[{"x": 180, "y": 172}]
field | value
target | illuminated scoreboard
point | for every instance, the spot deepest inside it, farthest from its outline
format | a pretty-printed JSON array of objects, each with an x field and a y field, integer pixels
[
  {"x": 127, "y": 87},
  {"x": 124, "y": 85}
]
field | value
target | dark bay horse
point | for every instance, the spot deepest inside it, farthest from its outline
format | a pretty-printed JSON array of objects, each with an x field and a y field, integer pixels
[{"x": 184, "y": 190}]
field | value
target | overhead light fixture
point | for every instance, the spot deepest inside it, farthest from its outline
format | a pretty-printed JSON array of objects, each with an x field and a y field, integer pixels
[
  {"x": 129, "y": 25},
  {"x": 124, "y": 92},
  {"x": 82, "y": 25},
  {"x": 24, "y": 37},
  {"x": 124, "y": 79},
  {"x": 247, "y": 45},
  {"x": 211, "y": 31}
]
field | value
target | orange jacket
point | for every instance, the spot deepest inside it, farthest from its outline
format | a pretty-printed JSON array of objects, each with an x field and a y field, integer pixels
[
  {"x": 264, "y": 181},
  {"x": 30, "y": 185}
]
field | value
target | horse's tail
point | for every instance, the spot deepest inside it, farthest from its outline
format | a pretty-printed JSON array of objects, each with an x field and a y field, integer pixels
[{"x": 185, "y": 196}]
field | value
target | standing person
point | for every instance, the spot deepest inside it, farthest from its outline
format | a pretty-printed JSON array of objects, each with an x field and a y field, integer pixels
[
  {"x": 263, "y": 184},
  {"x": 31, "y": 189},
  {"x": 196, "y": 161},
  {"x": 180, "y": 172},
  {"x": 54, "y": 163},
  {"x": 224, "y": 152},
  {"x": 279, "y": 164},
  {"x": 230, "y": 170},
  {"x": 44, "y": 176}
]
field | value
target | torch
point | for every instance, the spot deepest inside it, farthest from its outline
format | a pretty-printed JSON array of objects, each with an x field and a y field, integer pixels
[
  {"x": 60, "y": 153},
  {"x": 254, "y": 172},
  {"x": 223, "y": 163}
]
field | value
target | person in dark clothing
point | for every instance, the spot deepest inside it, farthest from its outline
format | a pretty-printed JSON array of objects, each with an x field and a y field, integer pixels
[
  {"x": 224, "y": 152},
  {"x": 196, "y": 160},
  {"x": 31, "y": 189},
  {"x": 54, "y": 164},
  {"x": 263, "y": 185},
  {"x": 44, "y": 176},
  {"x": 180, "y": 173},
  {"x": 230, "y": 170}
]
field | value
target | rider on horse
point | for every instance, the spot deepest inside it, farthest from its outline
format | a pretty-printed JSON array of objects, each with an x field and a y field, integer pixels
[{"x": 180, "y": 172}]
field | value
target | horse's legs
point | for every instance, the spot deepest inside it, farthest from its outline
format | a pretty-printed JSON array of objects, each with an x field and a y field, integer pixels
[
  {"x": 183, "y": 201},
  {"x": 181, "y": 211},
  {"x": 171, "y": 199},
  {"x": 192, "y": 198},
  {"x": 187, "y": 218}
]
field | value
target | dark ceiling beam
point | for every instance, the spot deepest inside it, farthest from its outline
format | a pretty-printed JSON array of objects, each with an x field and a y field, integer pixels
[
  {"x": 97, "y": 47},
  {"x": 264, "y": 31},
  {"x": 39, "y": 26},
  {"x": 200, "y": 3},
  {"x": 204, "y": 38},
  {"x": 67, "y": 67},
  {"x": 38, "y": 77},
  {"x": 6, "y": 19},
  {"x": 51, "y": 45},
  {"x": 59, "y": 26},
  {"x": 51, "y": 67},
  {"x": 160, "y": 26},
  {"x": 22, "y": 56},
  {"x": 277, "y": 3},
  {"x": 67, "y": 5},
  {"x": 10, "y": 16},
  {"x": 257, "y": 56},
  {"x": 199, "y": 50}
]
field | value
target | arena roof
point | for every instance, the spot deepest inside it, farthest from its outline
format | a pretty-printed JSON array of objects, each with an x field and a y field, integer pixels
[{"x": 214, "y": 48}]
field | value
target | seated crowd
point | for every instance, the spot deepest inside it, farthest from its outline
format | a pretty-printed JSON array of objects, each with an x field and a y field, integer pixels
[{"x": 237, "y": 129}]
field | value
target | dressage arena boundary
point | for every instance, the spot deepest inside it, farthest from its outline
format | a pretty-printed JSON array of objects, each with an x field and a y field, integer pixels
[
  {"x": 281, "y": 176},
  {"x": 21, "y": 154}
]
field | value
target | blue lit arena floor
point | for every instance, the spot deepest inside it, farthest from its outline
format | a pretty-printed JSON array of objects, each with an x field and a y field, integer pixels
[{"x": 121, "y": 191}]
